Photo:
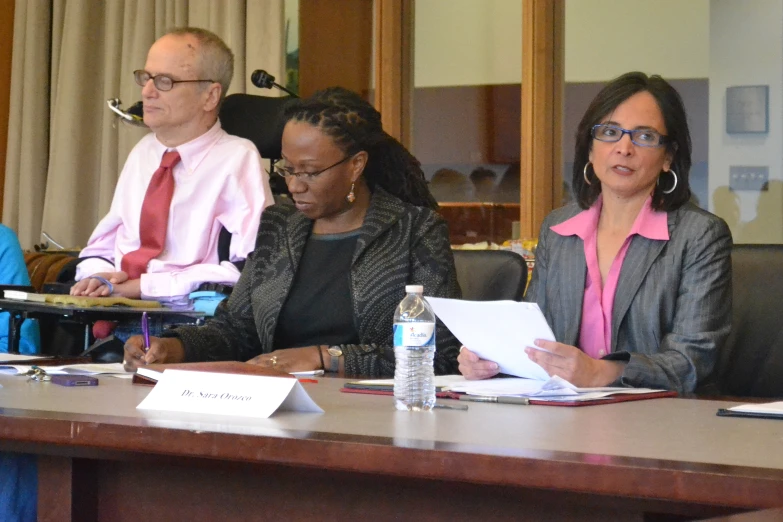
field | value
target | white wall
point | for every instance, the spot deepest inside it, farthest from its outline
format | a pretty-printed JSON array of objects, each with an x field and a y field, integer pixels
[
  {"x": 478, "y": 42},
  {"x": 292, "y": 20},
  {"x": 746, "y": 48},
  {"x": 606, "y": 38},
  {"x": 467, "y": 42}
]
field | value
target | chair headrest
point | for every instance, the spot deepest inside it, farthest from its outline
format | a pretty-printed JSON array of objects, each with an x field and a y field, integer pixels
[{"x": 256, "y": 118}]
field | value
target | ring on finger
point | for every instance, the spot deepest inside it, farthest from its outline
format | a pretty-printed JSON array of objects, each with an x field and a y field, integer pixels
[{"x": 274, "y": 360}]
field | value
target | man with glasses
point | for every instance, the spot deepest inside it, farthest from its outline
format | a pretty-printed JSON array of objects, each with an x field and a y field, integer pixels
[{"x": 181, "y": 185}]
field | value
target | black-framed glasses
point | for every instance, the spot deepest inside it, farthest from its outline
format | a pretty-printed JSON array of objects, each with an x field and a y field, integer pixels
[
  {"x": 162, "y": 82},
  {"x": 307, "y": 177},
  {"x": 641, "y": 137}
]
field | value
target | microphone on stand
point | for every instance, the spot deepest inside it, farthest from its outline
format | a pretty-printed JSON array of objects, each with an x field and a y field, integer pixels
[
  {"x": 134, "y": 115},
  {"x": 263, "y": 80}
]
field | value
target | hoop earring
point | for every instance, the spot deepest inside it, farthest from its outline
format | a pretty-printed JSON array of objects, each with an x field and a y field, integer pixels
[
  {"x": 584, "y": 173},
  {"x": 673, "y": 186},
  {"x": 351, "y": 197}
]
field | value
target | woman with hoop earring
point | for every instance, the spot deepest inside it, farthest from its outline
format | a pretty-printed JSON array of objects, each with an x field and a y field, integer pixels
[{"x": 633, "y": 278}]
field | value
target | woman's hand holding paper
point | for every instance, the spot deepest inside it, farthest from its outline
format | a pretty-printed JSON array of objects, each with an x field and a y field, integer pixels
[
  {"x": 473, "y": 367},
  {"x": 573, "y": 365}
]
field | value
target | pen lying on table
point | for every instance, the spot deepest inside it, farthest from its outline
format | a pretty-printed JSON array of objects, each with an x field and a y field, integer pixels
[
  {"x": 500, "y": 400},
  {"x": 461, "y": 407}
]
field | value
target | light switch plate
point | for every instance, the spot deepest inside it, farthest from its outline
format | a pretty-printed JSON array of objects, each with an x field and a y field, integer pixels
[{"x": 748, "y": 178}]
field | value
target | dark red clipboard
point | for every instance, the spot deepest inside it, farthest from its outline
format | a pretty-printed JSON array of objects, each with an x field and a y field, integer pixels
[
  {"x": 365, "y": 391},
  {"x": 612, "y": 399}
]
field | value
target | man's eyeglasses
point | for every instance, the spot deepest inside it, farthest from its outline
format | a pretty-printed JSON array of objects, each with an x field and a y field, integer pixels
[
  {"x": 161, "y": 81},
  {"x": 641, "y": 137},
  {"x": 307, "y": 177}
]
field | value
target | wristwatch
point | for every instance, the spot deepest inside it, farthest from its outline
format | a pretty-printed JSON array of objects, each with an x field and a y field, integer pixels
[{"x": 335, "y": 352}]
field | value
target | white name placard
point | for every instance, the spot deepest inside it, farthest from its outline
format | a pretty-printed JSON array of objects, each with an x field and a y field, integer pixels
[{"x": 227, "y": 394}]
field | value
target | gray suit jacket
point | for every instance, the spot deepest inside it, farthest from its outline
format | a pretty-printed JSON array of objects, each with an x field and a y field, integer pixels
[{"x": 672, "y": 308}]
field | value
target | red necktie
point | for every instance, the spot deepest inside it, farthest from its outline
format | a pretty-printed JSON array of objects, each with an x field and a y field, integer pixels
[{"x": 154, "y": 218}]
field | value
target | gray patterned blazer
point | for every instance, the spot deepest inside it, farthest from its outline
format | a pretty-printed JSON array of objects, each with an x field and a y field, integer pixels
[
  {"x": 398, "y": 244},
  {"x": 672, "y": 308}
]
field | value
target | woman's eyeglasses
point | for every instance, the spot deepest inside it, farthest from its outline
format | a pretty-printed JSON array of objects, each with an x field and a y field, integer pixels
[
  {"x": 161, "y": 81},
  {"x": 641, "y": 137},
  {"x": 288, "y": 173}
]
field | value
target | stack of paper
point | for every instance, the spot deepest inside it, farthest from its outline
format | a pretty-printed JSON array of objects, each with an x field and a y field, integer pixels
[
  {"x": 442, "y": 383},
  {"x": 19, "y": 295},
  {"x": 554, "y": 389},
  {"x": 113, "y": 369},
  {"x": 769, "y": 410}
]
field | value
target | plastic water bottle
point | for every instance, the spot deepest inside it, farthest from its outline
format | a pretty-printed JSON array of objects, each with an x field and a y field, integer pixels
[{"x": 414, "y": 352}]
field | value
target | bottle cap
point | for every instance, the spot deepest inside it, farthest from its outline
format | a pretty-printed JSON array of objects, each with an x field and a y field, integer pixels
[{"x": 414, "y": 289}]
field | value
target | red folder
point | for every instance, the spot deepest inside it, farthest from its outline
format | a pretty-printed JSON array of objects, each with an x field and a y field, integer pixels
[
  {"x": 611, "y": 399},
  {"x": 235, "y": 367}
]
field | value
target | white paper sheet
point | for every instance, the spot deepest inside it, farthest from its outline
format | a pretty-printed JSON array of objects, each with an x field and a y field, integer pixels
[
  {"x": 16, "y": 357},
  {"x": 313, "y": 373},
  {"x": 75, "y": 369},
  {"x": 498, "y": 331},
  {"x": 155, "y": 375},
  {"x": 768, "y": 408}
]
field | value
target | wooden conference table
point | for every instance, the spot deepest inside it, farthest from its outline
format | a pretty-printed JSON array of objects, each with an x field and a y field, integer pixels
[{"x": 101, "y": 459}]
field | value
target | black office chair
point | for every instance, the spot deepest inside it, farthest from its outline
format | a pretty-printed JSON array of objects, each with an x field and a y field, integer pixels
[
  {"x": 751, "y": 362},
  {"x": 490, "y": 275},
  {"x": 260, "y": 120}
]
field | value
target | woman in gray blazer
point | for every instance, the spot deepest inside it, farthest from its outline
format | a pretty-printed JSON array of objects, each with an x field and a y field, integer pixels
[{"x": 633, "y": 278}]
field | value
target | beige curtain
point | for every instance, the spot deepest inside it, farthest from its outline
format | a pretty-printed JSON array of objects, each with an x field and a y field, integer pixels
[{"x": 65, "y": 149}]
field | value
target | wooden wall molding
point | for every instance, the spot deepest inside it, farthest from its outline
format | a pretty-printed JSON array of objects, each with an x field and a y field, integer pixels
[
  {"x": 543, "y": 23},
  {"x": 6, "y": 55},
  {"x": 393, "y": 66},
  {"x": 335, "y": 45},
  {"x": 542, "y": 111}
]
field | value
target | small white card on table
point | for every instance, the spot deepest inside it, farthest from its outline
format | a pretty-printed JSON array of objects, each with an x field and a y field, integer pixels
[{"x": 227, "y": 394}]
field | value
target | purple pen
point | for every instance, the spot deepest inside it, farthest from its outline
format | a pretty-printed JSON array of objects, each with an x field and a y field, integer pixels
[{"x": 145, "y": 329}]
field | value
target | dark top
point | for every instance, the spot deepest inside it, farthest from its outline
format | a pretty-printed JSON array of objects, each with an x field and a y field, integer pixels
[
  {"x": 319, "y": 309},
  {"x": 398, "y": 244}
]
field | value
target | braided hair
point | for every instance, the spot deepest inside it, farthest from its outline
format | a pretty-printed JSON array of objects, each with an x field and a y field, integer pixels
[{"x": 355, "y": 126}]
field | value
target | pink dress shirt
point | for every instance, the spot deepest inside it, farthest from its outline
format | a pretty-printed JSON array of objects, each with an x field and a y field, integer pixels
[
  {"x": 219, "y": 183},
  {"x": 595, "y": 332}
]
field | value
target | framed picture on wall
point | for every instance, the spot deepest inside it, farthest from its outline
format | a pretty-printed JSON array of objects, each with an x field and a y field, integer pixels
[{"x": 747, "y": 109}]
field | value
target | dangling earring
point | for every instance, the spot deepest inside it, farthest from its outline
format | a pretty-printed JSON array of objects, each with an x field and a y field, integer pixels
[
  {"x": 673, "y": 186},
  {"x": 350, "y": 198},
  {"x": 584, "y": 173}
]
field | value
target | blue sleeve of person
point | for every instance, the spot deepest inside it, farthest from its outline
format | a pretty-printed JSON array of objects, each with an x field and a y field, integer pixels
[{"x": 13, "y": 271}]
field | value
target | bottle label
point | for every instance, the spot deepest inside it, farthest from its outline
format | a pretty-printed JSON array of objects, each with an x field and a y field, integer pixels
[{"x": 414, "y": 334}]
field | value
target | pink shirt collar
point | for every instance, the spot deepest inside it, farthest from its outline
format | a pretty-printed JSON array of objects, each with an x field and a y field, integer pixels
[
  {"x": 194, "y": 151},
  {"x": 649, "y": 223},
  {"x": 595, "y": 331}
]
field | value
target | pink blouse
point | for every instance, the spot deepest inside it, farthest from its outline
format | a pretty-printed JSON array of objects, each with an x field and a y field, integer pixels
[{"x": 595, "y": 332}]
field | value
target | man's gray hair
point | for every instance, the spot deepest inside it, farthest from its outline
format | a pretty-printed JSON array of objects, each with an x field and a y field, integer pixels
[{"x": 216, "y": 60}]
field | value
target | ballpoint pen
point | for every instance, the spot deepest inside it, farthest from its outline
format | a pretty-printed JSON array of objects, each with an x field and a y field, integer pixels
[
  {"x": 500, "y": 400},
  {"x": 145, "y": 329},
  {"x": 460, "y": 407}
]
